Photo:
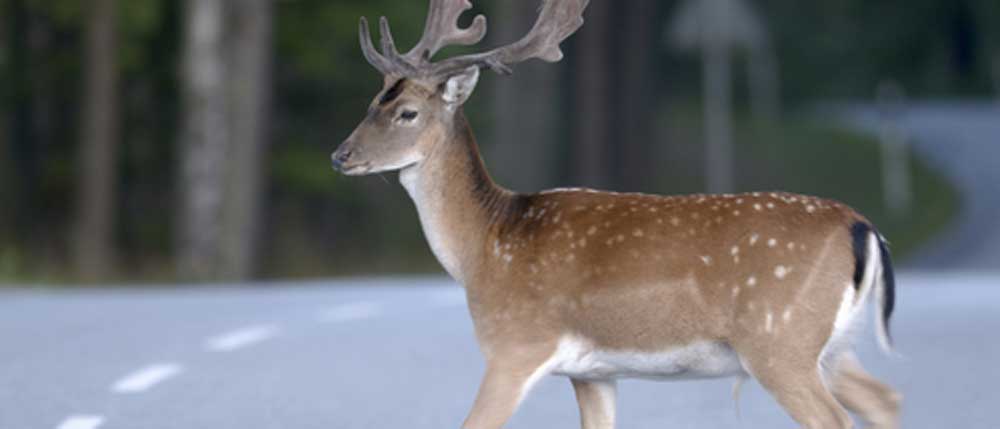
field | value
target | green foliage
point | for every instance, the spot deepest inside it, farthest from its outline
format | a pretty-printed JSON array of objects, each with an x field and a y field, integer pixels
[
  {"x": 844, "y": 48},
  {"x": 10, "y": 264},
  {"x": 139, "y": 21}
]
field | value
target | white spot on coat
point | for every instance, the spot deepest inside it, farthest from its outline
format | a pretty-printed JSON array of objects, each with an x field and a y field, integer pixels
[{"x": 780, "y": 271}]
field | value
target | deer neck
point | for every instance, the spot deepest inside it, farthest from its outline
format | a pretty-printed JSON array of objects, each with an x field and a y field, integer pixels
[{"x": 458, "y": 203}]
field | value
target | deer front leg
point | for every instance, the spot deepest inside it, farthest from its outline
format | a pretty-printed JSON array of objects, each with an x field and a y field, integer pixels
[
  {"x": 597, "y": 403},
  {"x": 507, "y": 381}
]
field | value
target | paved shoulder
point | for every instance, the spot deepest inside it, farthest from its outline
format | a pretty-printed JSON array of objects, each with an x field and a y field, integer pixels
[{"x": 401, "y": 353}]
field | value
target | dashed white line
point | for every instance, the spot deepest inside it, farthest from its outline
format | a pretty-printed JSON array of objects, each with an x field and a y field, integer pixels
[
  {"x": 81, "y": 422},
  {"x": 240, "y": 338},
  {"x": 146, "y": 378},
  {"x": 352, "y": 311}
]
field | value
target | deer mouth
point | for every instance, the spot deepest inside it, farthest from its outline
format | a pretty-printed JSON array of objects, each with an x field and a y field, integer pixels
[{"x": 355, "y": 170}]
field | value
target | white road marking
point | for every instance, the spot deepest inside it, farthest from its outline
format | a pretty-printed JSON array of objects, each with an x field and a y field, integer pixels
[
  {"x": 240, "y": 338},
  {"x": 81, "y": 422},
  {"x": 353, "y": 311},
  {"x": 146, "y": 378}
]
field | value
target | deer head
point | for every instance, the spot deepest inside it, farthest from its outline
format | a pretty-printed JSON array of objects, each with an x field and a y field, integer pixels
[{"x": 420, "y": 98}]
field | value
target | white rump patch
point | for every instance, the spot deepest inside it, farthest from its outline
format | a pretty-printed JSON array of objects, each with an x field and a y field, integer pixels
[{"x": 845, "y": 312}]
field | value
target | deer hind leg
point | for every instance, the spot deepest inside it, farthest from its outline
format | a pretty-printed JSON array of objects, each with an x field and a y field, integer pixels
[
  {"x": 877, "y": 404},
  {"x": 795, "y": 382},
  {"x": 597, "y": 403},
  {"x": 508, "y": 379}
]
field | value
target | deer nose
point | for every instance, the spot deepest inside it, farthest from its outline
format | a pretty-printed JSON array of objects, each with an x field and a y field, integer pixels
[{"x": 340, "y": 157}]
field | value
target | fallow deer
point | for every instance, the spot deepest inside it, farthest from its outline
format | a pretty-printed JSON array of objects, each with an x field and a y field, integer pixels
[{"x": 598, "y": 286}]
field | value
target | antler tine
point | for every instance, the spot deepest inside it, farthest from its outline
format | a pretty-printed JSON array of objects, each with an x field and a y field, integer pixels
[
  {"x": 557, "y": 20},
  {"x": 388, "y": 44},
  {"x": 377, "y": 60},
  {"x": 388, "y": 62},
  {"x": 389, "y": 48},
  {"x": 441, "y": 29}
]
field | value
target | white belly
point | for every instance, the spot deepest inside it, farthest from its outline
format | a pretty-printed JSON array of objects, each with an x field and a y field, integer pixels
[{"x": 578, "y": 358}]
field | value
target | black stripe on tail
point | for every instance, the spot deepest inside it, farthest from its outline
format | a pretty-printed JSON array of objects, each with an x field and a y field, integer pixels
[
  {"x": 890, "y": 286},
  {"x": 859, "y": 235}
]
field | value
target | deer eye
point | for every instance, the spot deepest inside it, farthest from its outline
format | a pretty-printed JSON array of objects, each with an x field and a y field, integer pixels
[{"x": 408, "y": 115}]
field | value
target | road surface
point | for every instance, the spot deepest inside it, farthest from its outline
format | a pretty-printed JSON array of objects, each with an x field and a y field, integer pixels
[
  {"x": 399, "y": 353},
  {"x": 961, "y": 140}
]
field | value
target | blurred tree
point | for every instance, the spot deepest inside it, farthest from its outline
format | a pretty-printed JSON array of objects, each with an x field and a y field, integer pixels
[
  {"x": 995, "y": 71},
  {"x": 203, "y": 143},
  {"x": 524, "y": 144},
  {"x": 592, "y": 101},
  {"x": 250, "y": 88},
  {"x": 93, "y": 249},
  {"x": 322, "y": 83},
  {"x": 5, "y": 215},
  {"x": 636, "y": 110},
  {"x": 22, "y": 174}
]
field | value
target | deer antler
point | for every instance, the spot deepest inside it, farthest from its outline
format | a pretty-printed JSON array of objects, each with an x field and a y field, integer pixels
[
  {"x": 441, "y": 29},
  {"x": 557, "y": 20}
]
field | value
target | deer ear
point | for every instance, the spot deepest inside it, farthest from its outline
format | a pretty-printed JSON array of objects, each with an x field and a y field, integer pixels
[{"x": 459, "y": 86}]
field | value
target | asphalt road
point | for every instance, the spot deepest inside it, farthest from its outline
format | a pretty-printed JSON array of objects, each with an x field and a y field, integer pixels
[
  {"x": 400, "y": 353},
  {"x": 961, "y": 140}
]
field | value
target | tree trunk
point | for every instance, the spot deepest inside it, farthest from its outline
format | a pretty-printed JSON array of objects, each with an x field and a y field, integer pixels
[
  {"x": 25, "y": 37},
  {"x": 634, "y": 168},
  {"x": 5, "y": 97},
  {"x": 592, "y": 100},
  {"x": 995, "y": 73},
  {"x": 765, "y": 99},
  {"x": 249, "y": 102},
  {"x": 524, "y": 147},
  {"x": 93, "y": 249},
  {"x": 203, "y": 143},
  {"x": 717, "y": 85}
]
